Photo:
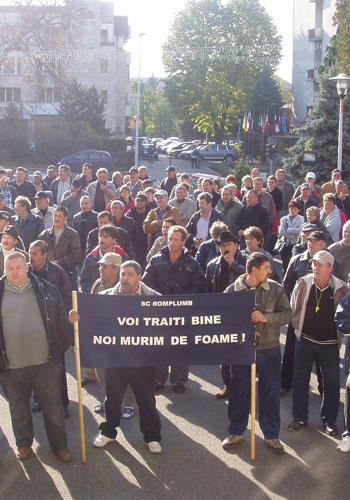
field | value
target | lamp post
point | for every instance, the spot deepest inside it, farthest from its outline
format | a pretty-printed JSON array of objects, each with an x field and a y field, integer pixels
[
  {"x": 342, "y": 89},
  {"x": 137, "y": 132}
]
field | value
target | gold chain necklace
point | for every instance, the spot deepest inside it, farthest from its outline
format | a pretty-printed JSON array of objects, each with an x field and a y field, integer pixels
[{"x": 318, "y": 300}]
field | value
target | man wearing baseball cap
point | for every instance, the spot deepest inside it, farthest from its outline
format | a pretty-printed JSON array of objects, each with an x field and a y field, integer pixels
[
  {"x": 314, "y": 301},
  {"x": 315, "y": 190},
  {"x": 38, "y": 182},
  {"x": 42, "y": 208},
  {"x": 306, "y": 199},
  {"x": 170, "y": 181},
  {"x": 9, "y": 242},
  {"x": 51, "y": 175},
  {"x": 134, "y": 184}
]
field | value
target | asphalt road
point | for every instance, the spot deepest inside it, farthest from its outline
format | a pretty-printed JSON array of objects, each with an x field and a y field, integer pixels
[{"x": 192, "y": 466}]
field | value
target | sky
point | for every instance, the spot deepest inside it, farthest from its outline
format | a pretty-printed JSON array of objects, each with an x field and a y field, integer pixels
[{"x": 154, "y": 18}]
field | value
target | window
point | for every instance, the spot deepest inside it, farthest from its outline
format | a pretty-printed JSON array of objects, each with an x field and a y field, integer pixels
[
  {"x": 94, "y": 156},
  {"x": 104, "y": 37},
  {"x": 222, "y": 147},
  {"x": 104, "y": 96},
  {"x": 49, "y": 95},
  {"x": 104, "y": 64},
  {"x": 127, "y": 72},
  {"x": 8, "y": 68},
  {"x": 8, "y": 94}
]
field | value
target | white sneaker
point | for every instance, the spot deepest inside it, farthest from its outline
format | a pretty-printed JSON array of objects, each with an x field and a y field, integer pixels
[
  {"x": 154, "y": 447},
  {"x": 344, "y": 445},
  {"x": 100, "y": 440}
]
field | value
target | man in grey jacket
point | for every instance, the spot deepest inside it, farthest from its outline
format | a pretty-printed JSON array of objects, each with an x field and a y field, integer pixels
[{"x": 272, "y": 310}]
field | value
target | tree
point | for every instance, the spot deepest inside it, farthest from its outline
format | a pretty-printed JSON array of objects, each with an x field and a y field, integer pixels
[
  {"x": 321, "y": 133},
  {"x": 342, "y": 20},
  {"x": 13, "y": 134},
  {"x": 213, "y": 55},
  {"x": 57, "y": 136},
  {"x": 82, "y": 104},
  {"x": 266, "y": 95},
  {"x": 156, "y": 113},
  {"x": 40, "y": 34}
]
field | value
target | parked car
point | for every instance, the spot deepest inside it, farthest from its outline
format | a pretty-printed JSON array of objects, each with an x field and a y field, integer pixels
[
  {"x": 223, "y": 152},
  {"x": 95, "y": 157},
  {"x": 186, "y": 152}
]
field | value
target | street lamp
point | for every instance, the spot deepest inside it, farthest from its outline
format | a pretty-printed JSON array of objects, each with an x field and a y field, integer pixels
[
  {"x": 342, "y": 89},
  {"x": 138, "y": 107}
]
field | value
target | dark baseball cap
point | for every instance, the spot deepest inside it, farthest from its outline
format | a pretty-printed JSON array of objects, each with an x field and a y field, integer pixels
[
  {"x": 141, "y": 196},
  {"x": 170, "y": 169},
  {"x": 5, "y": 216},
  {"x": 134, "y": 169},
  {"x": 41, "y": 195},
  {"x": 317, "y": 235},
  {"x": 12, "y": 231}
]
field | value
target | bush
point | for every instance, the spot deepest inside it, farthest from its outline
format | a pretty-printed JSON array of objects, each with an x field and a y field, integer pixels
[{"x": 241, "y": 169}]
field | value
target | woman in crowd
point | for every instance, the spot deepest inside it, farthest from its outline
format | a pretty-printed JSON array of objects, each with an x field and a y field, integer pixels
[
  {"x": 289, "y": 230},
  {"x": 247, "y": 185},
  {"x": 330, "y": 216}
]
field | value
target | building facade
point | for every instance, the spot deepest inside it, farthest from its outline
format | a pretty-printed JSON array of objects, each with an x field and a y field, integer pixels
[
  {"x": 312, "y": 30},
  {"x": 96, "y": 58}
]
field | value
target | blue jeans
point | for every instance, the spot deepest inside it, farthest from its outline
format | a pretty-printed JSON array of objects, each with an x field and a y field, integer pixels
[
  {"x": 306, "y": 353},
  {"x": 268, "y": 364}
]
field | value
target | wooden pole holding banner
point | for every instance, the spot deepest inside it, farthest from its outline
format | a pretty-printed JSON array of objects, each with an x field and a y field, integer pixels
[
  {"x": 77, "y": 363},
  {"x": 253, "y": 410}
]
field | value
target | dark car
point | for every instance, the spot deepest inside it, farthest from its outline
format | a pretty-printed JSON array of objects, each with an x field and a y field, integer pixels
[{"x": 97, "y": 158}]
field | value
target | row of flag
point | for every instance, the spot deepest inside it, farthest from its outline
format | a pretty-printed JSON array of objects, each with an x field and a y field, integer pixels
[{"x": 254, "y": 123}]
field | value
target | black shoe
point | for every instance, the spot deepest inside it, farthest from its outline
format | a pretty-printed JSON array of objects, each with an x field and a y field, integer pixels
[
  {"x": 36, "y": 407},
  {"x": 86, "y": 381},
  {"x": 178, "y": 388},
  {"x": 158, "y": 387},
  {"x": 99, "y": 408},
  {"x": 65, "y": 412},
  {"x": 331, "y": 429},
  {"x": 296, "y": 425}
]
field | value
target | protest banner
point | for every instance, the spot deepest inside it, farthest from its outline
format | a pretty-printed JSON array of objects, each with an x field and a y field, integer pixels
[{"x": 135, "y": 331}]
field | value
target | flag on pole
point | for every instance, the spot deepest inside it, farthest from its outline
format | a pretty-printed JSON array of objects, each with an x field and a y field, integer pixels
[
  {"x": 284, "y": 122},
  {"x": 276, "y": 124},
  {"x": 245, "y": 126},
  {"x": 266, "y": 124}
]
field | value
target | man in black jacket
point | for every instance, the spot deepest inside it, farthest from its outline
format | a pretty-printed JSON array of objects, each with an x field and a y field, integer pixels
[
  {"x": 84, "y": 222},
  {"x": 201, "y": 222},
  {"x": 174, "y": 271},
  {"x": 28, "y": 224},
  {"x": 32, "y": 347},
  {"x": 41, "y": 267},
  {"x": 221, "y": 272},
  {"x": 253, "y": 214}
]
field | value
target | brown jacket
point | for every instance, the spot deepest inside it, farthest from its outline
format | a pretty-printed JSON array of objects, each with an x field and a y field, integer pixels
[
  {"x": 152, "y": 215},
  {"x": 67, "y": 253},
  {"x": 329, "y": 187}
]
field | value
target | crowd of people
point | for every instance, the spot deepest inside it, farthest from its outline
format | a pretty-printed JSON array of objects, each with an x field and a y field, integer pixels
[{"x": 290, "y": 244}]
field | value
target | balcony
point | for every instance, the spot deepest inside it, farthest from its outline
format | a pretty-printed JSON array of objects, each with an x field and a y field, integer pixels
[{"x": 315, "y": 35}]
